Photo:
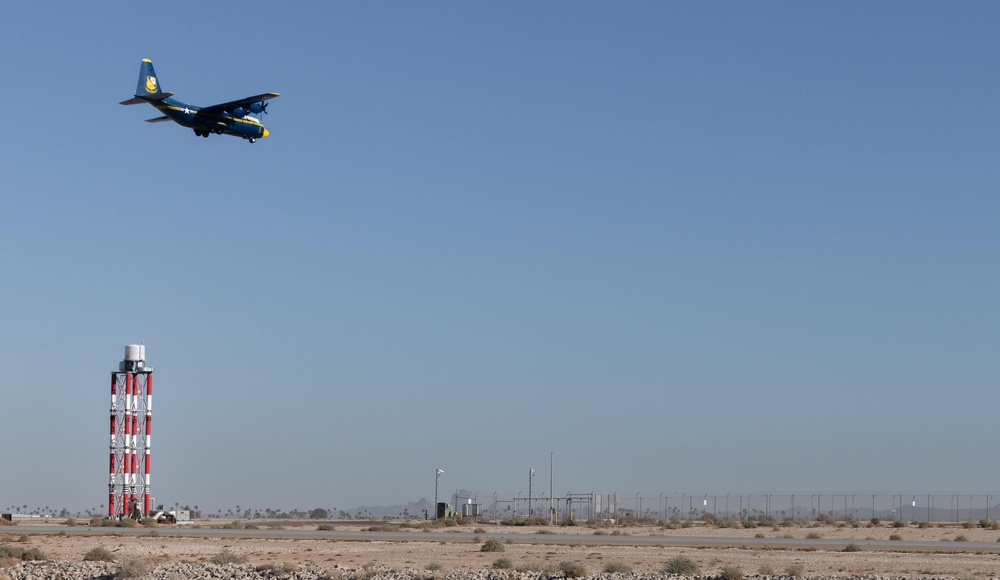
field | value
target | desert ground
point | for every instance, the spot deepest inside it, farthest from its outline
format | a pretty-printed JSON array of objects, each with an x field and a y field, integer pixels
[{"x": 157, "y": 544}]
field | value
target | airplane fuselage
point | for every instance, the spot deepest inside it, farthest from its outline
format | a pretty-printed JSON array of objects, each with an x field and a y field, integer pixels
[{"x": 203, "y": 123}]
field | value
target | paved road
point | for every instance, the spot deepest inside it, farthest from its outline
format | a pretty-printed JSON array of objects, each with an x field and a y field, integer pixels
[{"x": 560, "y": 539}]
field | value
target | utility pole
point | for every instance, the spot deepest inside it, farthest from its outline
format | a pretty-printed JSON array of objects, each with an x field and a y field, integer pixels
[
  {"x": 552, "y": 514},
  {"x": 531, "y": 476},
  {"x": 437, "y": 474}
]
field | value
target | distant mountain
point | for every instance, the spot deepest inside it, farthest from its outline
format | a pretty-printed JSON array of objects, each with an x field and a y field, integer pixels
[{"x": 378, "y": 512}]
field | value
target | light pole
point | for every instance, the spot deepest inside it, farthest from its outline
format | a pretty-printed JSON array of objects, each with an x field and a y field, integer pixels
[
  {"x": 531, "y": 476},
  {"x": 437, "y": 474}
]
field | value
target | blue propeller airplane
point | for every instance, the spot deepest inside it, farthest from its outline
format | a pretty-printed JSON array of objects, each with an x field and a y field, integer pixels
[{"x": 232, "y": 118}]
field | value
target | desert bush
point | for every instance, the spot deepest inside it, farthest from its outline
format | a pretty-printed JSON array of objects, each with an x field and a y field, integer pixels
[
  {"x": 134, "y": 568},
  {"x": 227, "y": 557},
  {"x": 572, "y": 569},
  {"x": 479, "y": 531},
  {"x": 824, "y": 519},
  {"x": 99, "y": 554},
  {"x": 876, "y": 521},
  {"x": 814, "y": 536},
  {"x": 731, "y": 572},
  {"x": 925, "y": 525},
  {"x": 70, "y": 522},
  {"x": 96, "y": 522},
  {"x": 896, "y": 537},
  {"x": 759, "y": 535},
  {"x": 968, "y": 525},
  {"x": 617, "y": 568},
  {"x": 600, "y": 533},
  {"x": 279, "y": 568},
  {"x": 852, "y": 548},
  {"x": 795, "y": 569},
  {"x": 766, "y": 569},
  {"x": 503, "y": 564},
  {"x": 492, "y": 545},
  {"x": 680, "y": 565},
  {"x": 899, "y": 524},
  {"x": 326, "y": 527},
  {"x": 432, "y": 567},
  {"x": 961, "y": 538},
  {"x": 19, "y": 553},
  {"x": 234, "y": 525}
]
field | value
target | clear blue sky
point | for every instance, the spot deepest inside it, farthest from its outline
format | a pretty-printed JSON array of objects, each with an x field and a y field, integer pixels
[{"x": 713, "y": 247}]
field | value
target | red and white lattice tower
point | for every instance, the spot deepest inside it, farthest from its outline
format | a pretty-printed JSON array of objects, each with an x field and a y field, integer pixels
[{"x": 131, "y": 423}]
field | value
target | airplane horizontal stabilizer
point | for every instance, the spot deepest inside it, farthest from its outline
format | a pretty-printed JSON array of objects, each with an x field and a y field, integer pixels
[
  {"x": 158, "y": 119},
  {"x": 149, "y": 99}
]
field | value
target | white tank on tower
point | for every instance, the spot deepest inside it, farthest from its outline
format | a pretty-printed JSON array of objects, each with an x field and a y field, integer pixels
[
  {"x": 135, "y": 359},
  {"x": 135, "y": 352}
]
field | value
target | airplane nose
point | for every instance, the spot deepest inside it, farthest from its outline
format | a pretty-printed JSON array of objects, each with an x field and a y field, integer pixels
[{"x": 266, "y": 133}]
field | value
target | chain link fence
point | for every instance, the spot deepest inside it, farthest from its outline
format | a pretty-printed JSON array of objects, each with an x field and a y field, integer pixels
[{"x": 590, "y": 506}]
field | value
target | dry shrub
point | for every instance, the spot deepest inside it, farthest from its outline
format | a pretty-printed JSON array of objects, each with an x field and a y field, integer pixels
[
  {"x": 961, "y": 538},
  {"x": 492, "y": 545},
  {"x": 814, "y": 536},
  {"x": 234, "y": 525},
  {"x": 503, "y": 564},
  {"x": 572, "y": 569},
  {"x": 99, "y": 554},
  {"x": 766, "y": 569},
  {"x": 795, "y": 569},
  {"x": 19, "y": 553},
  {"x": 227, "y": 557},
  {"x": 326, "y": 527},
  {"x": 617, "y": 568},
  {"x": 279, "y": 568},
  {"x": 134, "y": 568},
  {"x": 680, "y": 565},
  {"x": 896, "y": 537},
  {"x": 731, "y": 572}
]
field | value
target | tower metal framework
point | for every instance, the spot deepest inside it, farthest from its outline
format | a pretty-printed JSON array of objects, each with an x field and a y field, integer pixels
[{"x": 131, "y": 427}]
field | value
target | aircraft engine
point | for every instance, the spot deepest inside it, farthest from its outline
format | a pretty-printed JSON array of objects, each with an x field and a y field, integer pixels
[
  {"x": 239, "y": 112},
  {"x": 257, "y": 107}
]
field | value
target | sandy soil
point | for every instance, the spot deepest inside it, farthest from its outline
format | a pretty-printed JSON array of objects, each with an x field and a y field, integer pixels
[{"x": 461, "y": 555}]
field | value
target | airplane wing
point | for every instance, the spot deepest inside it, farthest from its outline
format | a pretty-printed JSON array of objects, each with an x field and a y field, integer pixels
[
  {"x": 159, "y": 119},
  {"x": 228, "y": 107}
]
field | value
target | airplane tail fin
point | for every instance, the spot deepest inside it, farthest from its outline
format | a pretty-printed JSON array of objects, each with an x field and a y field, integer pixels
[{"x": 148, "y": 87}]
